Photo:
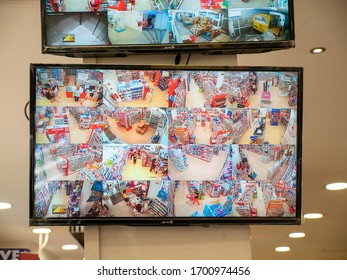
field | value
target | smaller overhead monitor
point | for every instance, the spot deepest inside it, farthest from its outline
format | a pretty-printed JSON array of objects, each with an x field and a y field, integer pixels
[{"x": 123, "y": 27}]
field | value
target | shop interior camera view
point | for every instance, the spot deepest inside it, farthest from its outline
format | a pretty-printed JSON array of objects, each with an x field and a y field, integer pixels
[
  {"x": 144, "y": 145},
  {"x": 175, "y": 25}
]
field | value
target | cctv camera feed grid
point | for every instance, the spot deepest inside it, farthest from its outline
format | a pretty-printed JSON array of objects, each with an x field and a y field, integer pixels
[
  {"x": 123, "y": 143},
  {"x": 146, "y": 22}
]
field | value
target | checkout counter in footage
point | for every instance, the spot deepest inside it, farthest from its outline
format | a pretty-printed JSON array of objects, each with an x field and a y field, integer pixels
[
  {"x": 136, "y": 196},
  {"x": 258, "y": 128}
]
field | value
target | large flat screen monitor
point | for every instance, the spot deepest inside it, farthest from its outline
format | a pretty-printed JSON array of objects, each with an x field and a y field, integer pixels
[
  {"x": 83, "y": 28},
  {"x": 164, "y": 145}
]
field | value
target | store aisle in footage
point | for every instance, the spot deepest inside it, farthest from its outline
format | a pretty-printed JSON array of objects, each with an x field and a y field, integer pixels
[
  {"x": 140, "y": 125},
  {"x": 158, "y": 99},
  {"x": 77, "y": 135},
  {"x": 195, "y": 98},
  {"x": 130, "y": 136},
  {"x": 272, "y": 134},
  {"x": 203, "y": 133},
  {"x": 277, "y": 101},
  {"x": 184, "y": 208},
  {"x": 261, "y": 168},
  {"x": 135, "y": 89},
  {"x": 60, "y": 198},
  {"x": 200, "y": 126},
  {"x": 52, "y": 169},
  {"x": 135, "y": 171},
  {"x": 199, "y": 169}
]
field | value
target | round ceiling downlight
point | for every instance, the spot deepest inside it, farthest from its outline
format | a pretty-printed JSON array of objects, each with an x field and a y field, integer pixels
[
  {"x": 317, "y": 50},
  {"x": 5, "y": 205},
  {"x": 297, "y": 235},
  {"x": 336, "y": 186},
  {"x": 69, "y": 247},
  {"x": 41, "y": 230},
  {"x": 313, "y": 216},
  {"x": 282, "y": 249}
]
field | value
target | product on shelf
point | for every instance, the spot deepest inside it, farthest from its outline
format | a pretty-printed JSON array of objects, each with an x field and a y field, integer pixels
[
  {"x": 178, "y": 158},
  {"x": 203, "y": 152}
]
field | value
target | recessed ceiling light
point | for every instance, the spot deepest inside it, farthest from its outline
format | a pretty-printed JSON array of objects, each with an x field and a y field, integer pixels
[
  {"x": 5, "y": 205},
  {"x": 317, "y": 50},
  {"x": 336, "y": 186},
  {"x": 41, "y": 230},
  {"x": 297, "y": 235},
  {"x": 282, "y": 249},
  {"x": 69, "y": 247},
  {"x": 313, "y": 216}
]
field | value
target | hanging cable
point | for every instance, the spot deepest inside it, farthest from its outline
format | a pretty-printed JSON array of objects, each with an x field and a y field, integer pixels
[
  {"x": 178, "y": 59},
  {"x": 26, "y": 110},
  {"x": 188, "y": 59}
]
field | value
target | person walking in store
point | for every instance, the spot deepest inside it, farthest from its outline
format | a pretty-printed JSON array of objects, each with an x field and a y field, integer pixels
[
  {"x": 158, "y": 166},
  {"x": 55, "y": 92},
  {"x": 50, "y": 95},
  {"x": 165, "y": 174},
  {"x": 188, "y": 80},
  {"x": 99, "y": 99},
  {"x": 131, "y": 153},
  {"x": 134, "y": 157},
  {"x": 77, "y": 93},
  {"x": 153, "y": 164},
  {"x": 196, "y": 197},
  {"x": 126, "y": 197}
]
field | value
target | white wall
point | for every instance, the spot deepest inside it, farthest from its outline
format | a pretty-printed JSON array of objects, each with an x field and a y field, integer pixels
[{"x": 170, "y": 243}]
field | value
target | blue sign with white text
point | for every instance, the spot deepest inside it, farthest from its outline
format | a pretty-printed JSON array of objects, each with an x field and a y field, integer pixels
[{"x": 11, "y": 253}]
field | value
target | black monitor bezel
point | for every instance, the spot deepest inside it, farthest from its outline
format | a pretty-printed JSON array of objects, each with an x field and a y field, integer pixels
[{"x": 174, "y": 221}]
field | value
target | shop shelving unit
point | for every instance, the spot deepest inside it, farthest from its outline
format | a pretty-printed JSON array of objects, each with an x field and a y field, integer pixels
[
  {"x": 90, "y": 174},
  {"x": 239, "y": 125},
  {"x": 159, "y": 208},
  {"x": 110, "y": 137},
  {"x": 43, "y": 197},
  {"x": 220, "y": 134},
  {"x": 82, "y": 116},
  {"x": 95, "y": 137},
  {"x": 244, "y": 203},
  {"x": 273, "y": 204},
  {"x": 127, "y": 76},
  {"x": 180, "y": 96},
  {"x": 118, "y": 162},
  {"x": 72, "y": 163},
  {"x": 126, "y": 117},
  {"x": 213, "y": 188},
  {"x": 284, "y": 118},
  {"x": 130, "y": 91},
  {"x": 163, "y": 83},
  {"x": 178, "y": 158},
  {"x": 285, "y": 83},
  {"x": 227, "y": 170},
  {"x": 290, "y": 173},
  {"x": 184, "y": 125},
  {"x": 212, "y": 94},
  {"x": 203, "y": 152},
  {"x": 214, "y": 210}
]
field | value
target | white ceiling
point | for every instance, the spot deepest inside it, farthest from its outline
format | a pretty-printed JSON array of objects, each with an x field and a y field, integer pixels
[{"x": 324, "y": 138}]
